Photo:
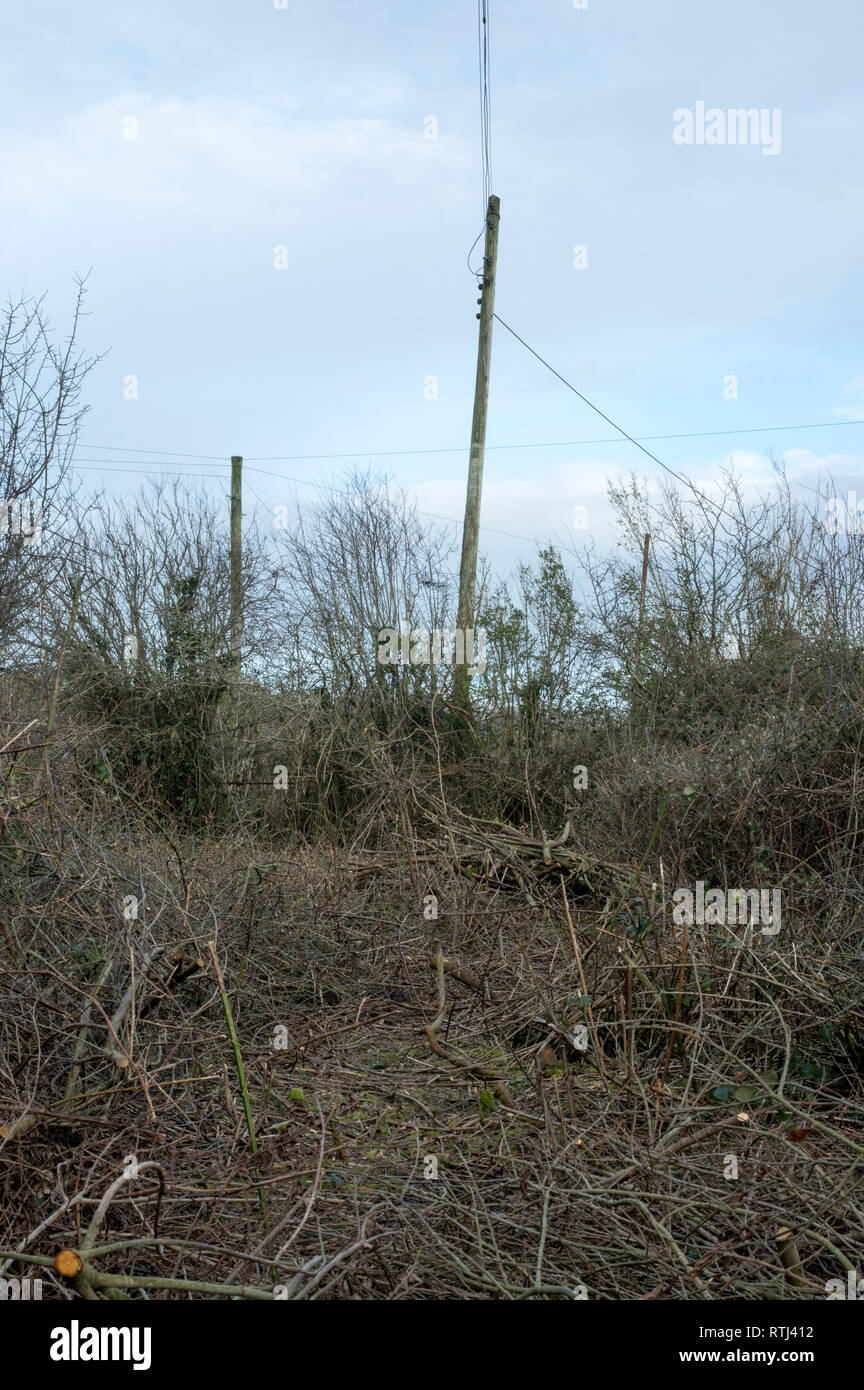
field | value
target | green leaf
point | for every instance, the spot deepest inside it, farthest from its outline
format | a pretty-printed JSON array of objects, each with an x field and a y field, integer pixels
[{"x": 744, "y": 1092}]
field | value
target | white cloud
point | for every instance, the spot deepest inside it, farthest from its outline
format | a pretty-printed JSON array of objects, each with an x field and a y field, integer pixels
[{"x": 195, "y": 152}]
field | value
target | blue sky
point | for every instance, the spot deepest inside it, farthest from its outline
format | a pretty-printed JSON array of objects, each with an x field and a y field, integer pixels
[{"x": 304, "y": 127}]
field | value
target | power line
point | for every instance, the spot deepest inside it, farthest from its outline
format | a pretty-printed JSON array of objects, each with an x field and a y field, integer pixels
[
  {"x": 484, "y": 65},
  {"x": 481, "y": 233},
  {"x": 122, "y": 449},
  {"x": 484, "y": 74},
  {"x": 346, "y": 492},
  {"x": 438, "y": 516},
  {"x": 337, "y": 492},
  {"x": 301, "y": 482},
  {"x": 721, "y": 511},
  {"x": 178, "y": 456},
  {"x": 140, "y": 466},
  {"x": 553, "y": 443}
]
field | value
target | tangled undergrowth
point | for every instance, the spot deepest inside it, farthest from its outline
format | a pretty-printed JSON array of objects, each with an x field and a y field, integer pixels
[
  {"x": 325, "y": 991},
  {"x": 548, "y": 1090}
]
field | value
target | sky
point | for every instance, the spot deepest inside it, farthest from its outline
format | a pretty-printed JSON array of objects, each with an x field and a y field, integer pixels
[{"x": 277, "y": 249}]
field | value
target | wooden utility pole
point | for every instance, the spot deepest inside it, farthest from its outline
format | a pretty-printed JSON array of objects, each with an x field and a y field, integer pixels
[
  {"x": 468, "y": 569},
  {"x": 236, "y": 580},
  {"x": 646, "y": 551}
]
